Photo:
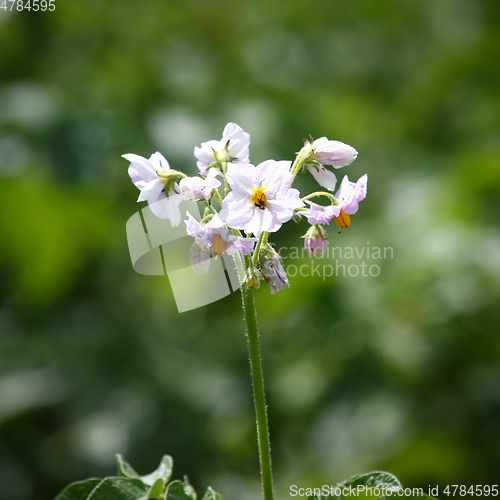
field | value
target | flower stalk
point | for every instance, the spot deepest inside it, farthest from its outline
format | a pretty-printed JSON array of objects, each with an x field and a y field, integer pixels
[{"x": 253, "y": 340}]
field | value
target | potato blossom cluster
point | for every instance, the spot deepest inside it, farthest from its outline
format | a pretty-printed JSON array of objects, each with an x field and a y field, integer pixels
[{"x": 244, "y": 203}]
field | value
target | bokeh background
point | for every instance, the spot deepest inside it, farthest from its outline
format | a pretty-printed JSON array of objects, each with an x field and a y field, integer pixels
[{"x": 398, "y": 372}]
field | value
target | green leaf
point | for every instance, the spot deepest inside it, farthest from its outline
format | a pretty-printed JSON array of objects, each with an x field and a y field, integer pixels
[
  {"x": 164, "y": 471},
  {"x": 79, "y": 490},
  {"x": 125, "y": 469},
  {"x": 211, "y": 495},
  {"x": 118, "y": 488},
  {"x": 189, "y": 490},
  {"x": 176, "y": 490},
  {"x": 156, "y": 489},
  {"x": 130, "y": 486},
  {"x": 377, "y": 479}
]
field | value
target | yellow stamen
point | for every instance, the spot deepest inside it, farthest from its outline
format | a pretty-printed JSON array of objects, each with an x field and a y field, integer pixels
[
  {"x": 259, "y": 198},
  {"x": 218, "y": 246},
  {"x": 343, "y": 220}
]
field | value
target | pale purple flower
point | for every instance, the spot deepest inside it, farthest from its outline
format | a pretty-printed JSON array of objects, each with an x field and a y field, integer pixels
[
  {"x": 196, "y": 188},
  {"x": 348, "y": 197},
  {"x": 156, "y": 182},
  {"x": 214, "y": 235},
  {"x": 319, "y": 214},
  {"x": 261, "y": 198},
  {"x": 351, "y": 193},
  {"x": 232, "y": 148},
  {"x": 334, "y": 153}
]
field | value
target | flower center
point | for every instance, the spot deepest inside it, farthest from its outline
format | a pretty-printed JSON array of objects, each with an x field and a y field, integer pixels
[
  {"x": 259, "y": 198},
  {"x": 219, "y": 245},
  {"x": 343, "y": 220},
  {"x": 163, "y": 175}
]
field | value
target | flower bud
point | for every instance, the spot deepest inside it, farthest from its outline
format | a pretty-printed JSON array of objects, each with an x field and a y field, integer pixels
[
  {"x": 315, "y": 241},
  {"x": 252, "y": 278},
  {"x": 196, "y": 188},
  {"x": 272, "y": 269},
  {"x": 334, "y": 153}
]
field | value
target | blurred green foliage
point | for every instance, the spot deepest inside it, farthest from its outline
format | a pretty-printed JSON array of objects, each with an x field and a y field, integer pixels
[{"x": 398, "y": 372}]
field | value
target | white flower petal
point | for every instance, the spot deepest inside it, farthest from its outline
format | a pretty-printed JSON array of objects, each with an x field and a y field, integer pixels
[
  {"x": 262, "y": 220},
  {"x": 167, "y": 207},
  {"x": 241, "y": 177},
  {"x": 205, "y": 155},
  {"x": 275, "y": 175},
  {"x": 239, "y": 142},
  {"x": 283, "y": 208},
  {"x": 346, "y": 189},
  {"x": 140, "y": 168},
  {"x": 151, "y": 190},
  {"x": 350, "y": 194},
  {"x": 239, "y": 215},
  {"x": 216, "y": 226},
  {"x": 256, "y": 223},
  {"x": 233, "y": 132},
  {"x": 324, "y": 177},
  {"x": 158, "y": 160},
  {"x": 193, "y": 227},
  {"x": 361, "y": 188}
]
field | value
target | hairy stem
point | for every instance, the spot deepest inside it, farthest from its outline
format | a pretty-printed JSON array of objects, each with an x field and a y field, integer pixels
[
  {"x": 262, "y": 239},
  {"x": 259, "y": 397},
  {"x": 321, "y": 193}
]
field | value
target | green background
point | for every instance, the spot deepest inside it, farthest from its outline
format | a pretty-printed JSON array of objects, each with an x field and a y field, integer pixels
[{"x": 398, "y": 372}]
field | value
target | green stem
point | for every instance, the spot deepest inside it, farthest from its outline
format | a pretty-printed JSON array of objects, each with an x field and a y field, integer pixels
[
  {"x": 303, "y": 156},
  {"x": 262, "y": 239},
  {"x": 259, "y": 397},
  {"x": 224, "y": 172},
  {"x": 209, "y": 206},
  {"x": 217, "y": 196},
  {"x": 321, "y": 193}
]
